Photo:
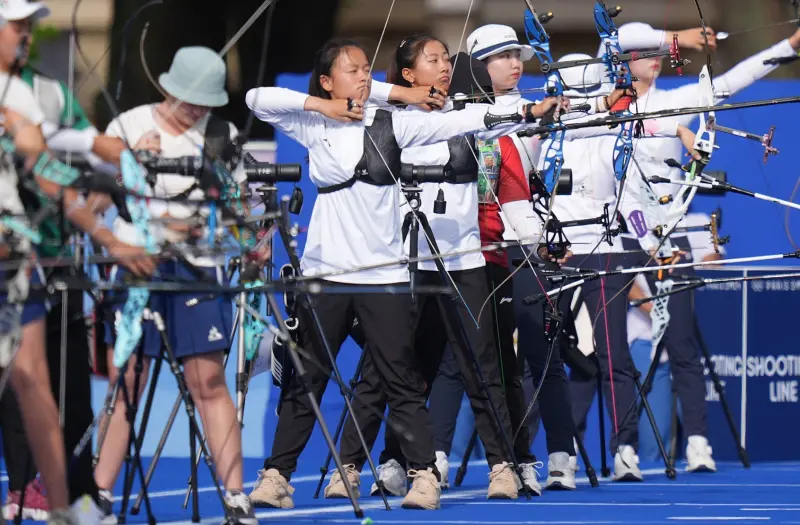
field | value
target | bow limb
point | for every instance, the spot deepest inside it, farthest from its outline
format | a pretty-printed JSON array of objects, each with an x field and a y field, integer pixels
[
  {"x": 128, "y": 323},
  {"x": 145, "y": 66}
]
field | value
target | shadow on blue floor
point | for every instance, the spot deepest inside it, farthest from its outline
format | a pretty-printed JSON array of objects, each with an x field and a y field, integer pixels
[{"x": 768, "y": 492}]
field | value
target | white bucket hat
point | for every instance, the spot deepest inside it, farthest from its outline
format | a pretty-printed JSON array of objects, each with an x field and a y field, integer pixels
[
  {"x": 492, "y": 39},
  {"x": 22, "y": 9},
  {"x": 197, "y": 76}
]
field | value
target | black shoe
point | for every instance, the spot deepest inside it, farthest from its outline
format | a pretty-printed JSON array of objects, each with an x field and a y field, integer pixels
[
  {"x": 239, "y": 509},
  {"x": 106, "y": 504}
]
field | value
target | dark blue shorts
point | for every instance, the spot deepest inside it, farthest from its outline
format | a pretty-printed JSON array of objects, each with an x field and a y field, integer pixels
[
  {"x": 33, "y": 310},
  {"x": 191, "y": 330}
]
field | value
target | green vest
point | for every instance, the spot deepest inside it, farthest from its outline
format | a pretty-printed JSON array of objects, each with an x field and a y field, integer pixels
[{"x": 52, "y": 96}]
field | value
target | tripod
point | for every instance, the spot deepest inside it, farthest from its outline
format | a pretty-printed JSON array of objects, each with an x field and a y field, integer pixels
[
  {"x": 669, "y": 467},
  {"x": 411, "y": 224},
  {"x": 131, "y": 412},
  {"x": 590, "y": 472},
  {"x": 720, "y": 390},
  {"x": 242, "y": 376},
  {"x": 473, "y": 439},
  {"x": 294, "y": 260}
]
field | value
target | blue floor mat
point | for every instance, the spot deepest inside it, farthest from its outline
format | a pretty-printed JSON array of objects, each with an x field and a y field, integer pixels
[{"x": 767, "y": 492}]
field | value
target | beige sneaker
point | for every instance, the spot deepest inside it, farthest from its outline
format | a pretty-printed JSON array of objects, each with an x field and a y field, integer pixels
[
  {"x": 425, "y": 491},
  {"x": 337, "y": 489},
  {"x": 502, "y": 482},
  {"x": 272, "y": 490}
]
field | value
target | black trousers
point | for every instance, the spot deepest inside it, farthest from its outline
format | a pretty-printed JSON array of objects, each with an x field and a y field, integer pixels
[
  {"x": 387, "y": 324},
  {"x": 448, "y": 387},
  {"x": 613, "y": 340},
  {"x": 553, "y": 403},
  {"x": 682, "y": 346},
  {"x": 435, "y": 327},
  {"x": 78, "y": 414}
]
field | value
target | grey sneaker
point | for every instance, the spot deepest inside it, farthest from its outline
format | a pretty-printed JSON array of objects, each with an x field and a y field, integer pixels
[{"x": 393, "y": 477}]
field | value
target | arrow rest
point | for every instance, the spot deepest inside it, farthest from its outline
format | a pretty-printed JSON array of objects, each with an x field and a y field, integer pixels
[
  {"x": 552, "y": 323},
  {"x": 555, "y": 239},
  {"x": 714, "y": 225}
]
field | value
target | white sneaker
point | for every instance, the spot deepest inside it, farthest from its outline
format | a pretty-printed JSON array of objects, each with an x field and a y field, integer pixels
[
  {"x": 573, "y": 460},
  {"x": 443, "y": 466},
  {"x": 107, "y": 508},
  {"x": 560, "y": 474},
  {"x": 626, "y": 465},
  {"x": 393, "y": 477},
  {"x": 530, "y": 478},
  {"x": 573, "y": 463},
  {"x": 86, "y": 511},
  {"x": 62, "y": 517},
  {"x": 698, "y": 455}
]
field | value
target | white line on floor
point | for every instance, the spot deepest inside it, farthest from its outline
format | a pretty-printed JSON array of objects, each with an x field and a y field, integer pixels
[{"x": 718, "y": 518}]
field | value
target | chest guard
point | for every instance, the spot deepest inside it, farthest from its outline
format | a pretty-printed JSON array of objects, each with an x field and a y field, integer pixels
[
  {"x": 372, "y": 169},
  {"x": 462, "y": 168}
]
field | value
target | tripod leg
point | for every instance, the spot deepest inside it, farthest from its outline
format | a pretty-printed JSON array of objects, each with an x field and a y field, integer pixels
[
  {"x": 462, "y": 470},
  {"x": 323, "y": 470},
  {"x": 241, "y": 358},
  {"x": 642, "y": 388},
  {"x": 189, "y": 405},
  {"x": 604, "y": 470},
  {"x": 193, "y": 482},
  {"x": 300, "y": 373},
  {"x": 151, "y": 468},
  {"x": 131, "y": 407},
  {"x": 108, "y": 409},
  {"x": 457, "y": 321},
  {"x": 670, "y": 469},
  {"x": 590, "y": 473},
  {"x": 720, "y": 390},
  {"x": 190, "y": 484},
  {"x": 146, "y": 415},
  {"x": 673, "y": 429},
  {"x": 348, "y": 405}
]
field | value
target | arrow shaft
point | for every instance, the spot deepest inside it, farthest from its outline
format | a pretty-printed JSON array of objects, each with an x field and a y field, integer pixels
[{"x": 608, "y": 121}]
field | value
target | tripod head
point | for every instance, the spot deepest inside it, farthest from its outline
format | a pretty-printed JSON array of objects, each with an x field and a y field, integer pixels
[{"x": 412, "y": 176}]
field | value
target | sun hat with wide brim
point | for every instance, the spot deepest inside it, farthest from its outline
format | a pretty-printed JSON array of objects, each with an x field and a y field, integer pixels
[{"x": 197, "y": 76}]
